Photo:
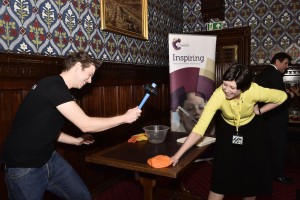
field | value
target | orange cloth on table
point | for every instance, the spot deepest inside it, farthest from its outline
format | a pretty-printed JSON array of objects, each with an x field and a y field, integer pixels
[
  {"x": 137, "y": 138},
  {"x": 159, "y": 161}
]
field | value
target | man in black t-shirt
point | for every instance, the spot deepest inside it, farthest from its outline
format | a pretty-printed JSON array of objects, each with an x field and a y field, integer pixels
[{"x": 32, "y": 165}]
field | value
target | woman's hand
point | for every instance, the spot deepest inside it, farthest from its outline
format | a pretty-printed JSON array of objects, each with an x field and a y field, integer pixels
[
  {"x": 174, "y": 160},
  {"x": 256, "y": 110},
  {"x": 188, "y": 143}
]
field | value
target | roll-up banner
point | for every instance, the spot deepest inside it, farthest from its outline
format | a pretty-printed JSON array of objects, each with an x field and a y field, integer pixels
[{"x": 192, "y": 78}]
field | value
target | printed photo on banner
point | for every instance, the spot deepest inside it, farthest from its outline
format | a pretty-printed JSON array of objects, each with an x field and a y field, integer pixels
[{"x": 192, "y": 78}]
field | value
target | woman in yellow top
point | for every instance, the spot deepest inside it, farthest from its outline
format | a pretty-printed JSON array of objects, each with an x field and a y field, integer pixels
[{"x": 242, "y": 152}]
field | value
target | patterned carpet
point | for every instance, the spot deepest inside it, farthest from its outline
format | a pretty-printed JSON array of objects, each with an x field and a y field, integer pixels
[{"x": 196, "y": 179}]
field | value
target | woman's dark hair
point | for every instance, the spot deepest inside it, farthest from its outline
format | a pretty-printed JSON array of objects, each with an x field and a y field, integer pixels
[
  {"x": 84, "y": 58},
  {"x": 241, "y": 74}
]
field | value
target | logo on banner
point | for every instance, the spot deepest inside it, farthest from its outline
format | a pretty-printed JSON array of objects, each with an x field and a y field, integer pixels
[{"x": 176, "y": 43}]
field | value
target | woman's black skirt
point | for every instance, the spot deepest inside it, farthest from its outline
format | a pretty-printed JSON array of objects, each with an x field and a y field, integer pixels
[{"x": 242, "y": 169}]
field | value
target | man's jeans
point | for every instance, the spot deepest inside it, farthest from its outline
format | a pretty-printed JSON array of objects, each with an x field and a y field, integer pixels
[{"x": 56, "y": 176}]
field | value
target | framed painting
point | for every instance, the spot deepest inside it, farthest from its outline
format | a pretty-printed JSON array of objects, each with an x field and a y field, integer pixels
[{"x": 125, "y": 17}]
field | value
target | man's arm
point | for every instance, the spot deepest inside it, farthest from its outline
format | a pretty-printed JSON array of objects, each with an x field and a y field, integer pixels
[
  {"x": 68, "y": 139},
  {"x": 275, "y": 81},
  {"x": 270, "y": 78},
  {"x": 95, "y": 124}
]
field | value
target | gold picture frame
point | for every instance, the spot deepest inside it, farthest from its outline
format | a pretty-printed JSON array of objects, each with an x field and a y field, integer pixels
[{"x": 125, "y": 17}]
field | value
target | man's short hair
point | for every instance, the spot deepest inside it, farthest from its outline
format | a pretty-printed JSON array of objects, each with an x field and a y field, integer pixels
[
  {"x": 281, "y": 56},
  {"x": 84, "y": 58}
]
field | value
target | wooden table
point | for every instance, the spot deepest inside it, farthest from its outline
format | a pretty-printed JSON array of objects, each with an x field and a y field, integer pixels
[
  {"x": 291, "y": 121},
  {"x": 133, "y": 156}
]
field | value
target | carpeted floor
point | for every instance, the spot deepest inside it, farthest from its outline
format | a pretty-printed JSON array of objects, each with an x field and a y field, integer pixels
[
  {"x": 199, "y": 184},
  {"x": 196, "y": 179}
]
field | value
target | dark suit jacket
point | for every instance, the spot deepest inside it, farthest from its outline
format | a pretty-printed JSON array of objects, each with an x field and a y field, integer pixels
[{"x": 272, "y": 78}]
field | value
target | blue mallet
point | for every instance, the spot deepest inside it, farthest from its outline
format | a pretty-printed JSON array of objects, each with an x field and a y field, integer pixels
[{"x": 149, "y": 89}]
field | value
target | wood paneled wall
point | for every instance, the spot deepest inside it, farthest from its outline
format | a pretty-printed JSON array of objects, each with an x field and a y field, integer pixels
[{"x": 115, "y": 88}]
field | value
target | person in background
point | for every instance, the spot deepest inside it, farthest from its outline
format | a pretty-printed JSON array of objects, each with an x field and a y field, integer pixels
[
  {"x": 32, "y": 166},
  {"x": 294, "y": 105},
  {"x": 277, "y": 119},
  {"x": 295, "y": 90},
  {"x": 241, "y": 153}
]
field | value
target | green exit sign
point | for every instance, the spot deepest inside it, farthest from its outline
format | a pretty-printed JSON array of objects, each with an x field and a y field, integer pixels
[{"x": 214, "y": 26}]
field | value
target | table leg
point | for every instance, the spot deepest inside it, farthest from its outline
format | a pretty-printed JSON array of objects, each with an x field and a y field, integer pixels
[{"x": 148, "y": 184}]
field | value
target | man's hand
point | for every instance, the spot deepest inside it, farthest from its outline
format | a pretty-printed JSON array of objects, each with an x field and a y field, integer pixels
[
  {"x": 295, "y": 89},
  {"x": 85, "y": 139},
  {"x": 132, "y": 115}
]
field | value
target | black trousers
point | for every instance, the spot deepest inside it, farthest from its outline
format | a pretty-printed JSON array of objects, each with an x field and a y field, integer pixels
[{"x": 277, "y": 132}]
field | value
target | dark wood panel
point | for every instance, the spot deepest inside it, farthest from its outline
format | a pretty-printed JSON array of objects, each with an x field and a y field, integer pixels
[
  {"x": 240, "y": 37},
  {"x": 220, "y": 70},
  {"x": 233, "y": 46},
  {"x": 213, "y": 9}
]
